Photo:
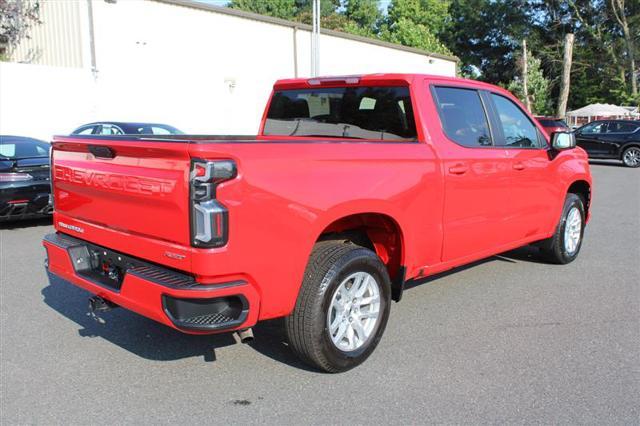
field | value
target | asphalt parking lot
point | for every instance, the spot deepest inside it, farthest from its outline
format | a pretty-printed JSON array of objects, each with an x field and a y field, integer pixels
[{"x": 507, "y": 340}]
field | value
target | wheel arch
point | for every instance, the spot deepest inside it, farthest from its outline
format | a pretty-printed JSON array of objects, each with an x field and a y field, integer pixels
[
  {"x": 626, "y": 146},
  {"x": 377, "y": 231},
  {"x": 583, "y": 189}
]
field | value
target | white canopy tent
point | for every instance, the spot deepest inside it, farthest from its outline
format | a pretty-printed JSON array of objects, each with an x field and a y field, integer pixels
[{"x": 599, "y": 110}]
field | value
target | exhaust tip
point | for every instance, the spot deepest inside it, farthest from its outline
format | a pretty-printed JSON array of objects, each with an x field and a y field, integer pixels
[{"x": 245, "y": 335}]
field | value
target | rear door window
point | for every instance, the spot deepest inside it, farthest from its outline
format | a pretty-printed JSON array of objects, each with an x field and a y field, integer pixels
[
  {"x": 517, "y": 128},
  {"x": 463, "y": 116},
  {"x": 373, "y": 113},
  {"x": 622, "y": 127}
]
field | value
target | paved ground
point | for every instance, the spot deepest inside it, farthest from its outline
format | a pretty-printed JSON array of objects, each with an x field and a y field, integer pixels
[{"x": 507, "y": 340}]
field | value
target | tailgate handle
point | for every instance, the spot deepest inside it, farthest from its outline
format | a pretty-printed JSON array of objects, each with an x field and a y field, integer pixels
[{"x": 102, "y": 151}]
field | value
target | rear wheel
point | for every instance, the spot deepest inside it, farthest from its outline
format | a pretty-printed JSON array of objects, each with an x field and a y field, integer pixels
[
  {"x": 631, "y": 156},
  {"x": 566, "y": 242},
  {"x": 342, "y": 309}
]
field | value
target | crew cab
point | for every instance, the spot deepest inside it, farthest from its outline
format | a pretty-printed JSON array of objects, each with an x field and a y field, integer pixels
[{"x": 353, "y": 187}]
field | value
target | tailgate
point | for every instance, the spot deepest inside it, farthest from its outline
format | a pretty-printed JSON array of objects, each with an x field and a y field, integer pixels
[{"x": 135, "y": 187}]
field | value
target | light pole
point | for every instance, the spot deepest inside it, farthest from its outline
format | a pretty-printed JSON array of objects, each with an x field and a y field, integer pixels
[{"x": 315, "y": 40}]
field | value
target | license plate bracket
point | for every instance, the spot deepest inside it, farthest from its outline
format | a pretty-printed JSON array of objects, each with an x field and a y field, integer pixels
[{"x": 100, "y": 265}]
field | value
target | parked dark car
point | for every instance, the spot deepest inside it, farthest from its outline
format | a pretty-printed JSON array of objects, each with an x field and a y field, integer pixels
[
  {"x": 24, "y": 178},
  {"x": 552, "y": 124},
  {"x": 611, "y": 139},
  {"x": 120, "y": 128}
]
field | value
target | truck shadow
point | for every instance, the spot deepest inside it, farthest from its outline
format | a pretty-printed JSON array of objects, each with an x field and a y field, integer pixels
[
  {"x": 153, "y": 341},
  {"x": 522, "y": 254}
]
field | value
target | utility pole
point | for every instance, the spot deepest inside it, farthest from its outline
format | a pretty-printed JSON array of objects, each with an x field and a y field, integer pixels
[
  {"x": 315, "y": 40},
  {"x": 92, "y": 41},
  {"x": 565, "y": 81},
  {"x": 525, "y": 75}
]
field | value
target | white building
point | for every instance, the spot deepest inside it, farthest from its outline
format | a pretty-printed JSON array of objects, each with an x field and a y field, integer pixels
[{"x": 201, "y": 68}]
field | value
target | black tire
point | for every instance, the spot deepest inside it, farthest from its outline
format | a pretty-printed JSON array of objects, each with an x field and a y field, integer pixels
[
  {"x": 631, "y": 157},
  {"x": 554, "y": 249},
  {"x": 332, "y": 262}
]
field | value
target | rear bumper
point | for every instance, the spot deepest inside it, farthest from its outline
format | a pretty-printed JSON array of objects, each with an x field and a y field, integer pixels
[
  {"x": 24, "y": 200},
  {"x": 156, "y": 292}
]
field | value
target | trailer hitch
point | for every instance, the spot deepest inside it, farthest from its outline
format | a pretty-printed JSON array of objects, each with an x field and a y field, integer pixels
[{"x": 97, "y": 305}]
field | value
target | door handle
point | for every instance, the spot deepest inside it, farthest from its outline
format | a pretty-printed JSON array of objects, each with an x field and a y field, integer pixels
[
  {"x": 518, "y": 166},
  {"x": 458, "y": 169}
]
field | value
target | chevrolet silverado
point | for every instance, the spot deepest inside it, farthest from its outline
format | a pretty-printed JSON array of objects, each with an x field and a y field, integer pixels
[{"x": 353, "y": 187}]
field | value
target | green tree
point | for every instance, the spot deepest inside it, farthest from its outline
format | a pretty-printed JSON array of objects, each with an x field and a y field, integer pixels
[
  {"x": 485, "y": 35},
  {"x": 283, "y": 9},
  {"x": 416, "y": 23},
  {"x": 410, "y": 33},
  {"x": 537, "y": 86},
  {"x": 432, "y": 14},
  {"x": 600, "y": 71},
  {"x": 363, "y": 16}
]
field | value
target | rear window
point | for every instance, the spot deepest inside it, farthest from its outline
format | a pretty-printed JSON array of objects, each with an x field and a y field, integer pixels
[
  {"x": 374, "y": 113},
  {"x": 545, "y": 122},
  {"x": 23, "y": 148}
]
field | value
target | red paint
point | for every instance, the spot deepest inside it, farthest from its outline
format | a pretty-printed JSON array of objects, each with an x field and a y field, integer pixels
[{"x": 429, "y": 206}]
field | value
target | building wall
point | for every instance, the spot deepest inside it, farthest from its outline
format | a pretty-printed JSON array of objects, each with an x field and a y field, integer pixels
[
  {"x": 58, "y": 40},
  {"x": 202, "y": 71},
  {"x": 40, "y": 101}
]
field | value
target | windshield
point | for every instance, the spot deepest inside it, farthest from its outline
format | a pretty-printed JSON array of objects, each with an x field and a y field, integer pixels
[
  {"x": 378, "y": 113},
  {"x": 16, "y": 148}
]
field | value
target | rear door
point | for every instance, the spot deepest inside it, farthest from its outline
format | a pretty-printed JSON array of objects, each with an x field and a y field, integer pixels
[
  {"x": 476, "y": 174},
  {"x": 618, "y": 133},
  {"x": 135, "y": 187}
]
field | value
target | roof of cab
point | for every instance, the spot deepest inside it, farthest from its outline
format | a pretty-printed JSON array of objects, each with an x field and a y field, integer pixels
[{"x": 380, "y": 78}]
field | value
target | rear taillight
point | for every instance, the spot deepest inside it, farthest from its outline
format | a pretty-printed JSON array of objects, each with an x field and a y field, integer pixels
[
  {"x": 15, "y": 177},
  {"x": 209, "y": 217}
]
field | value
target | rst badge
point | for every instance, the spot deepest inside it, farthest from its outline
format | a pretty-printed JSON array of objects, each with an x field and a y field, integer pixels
[
  {"x": 175, "y": 256},
  {"x": 71, "y": 227}
]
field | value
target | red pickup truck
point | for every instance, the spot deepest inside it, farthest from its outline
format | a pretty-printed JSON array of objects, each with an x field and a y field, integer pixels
[{"x": 354, "y": 186}]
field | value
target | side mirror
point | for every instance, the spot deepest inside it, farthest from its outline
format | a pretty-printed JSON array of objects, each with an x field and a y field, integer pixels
[{"x": 563, "y": 140}]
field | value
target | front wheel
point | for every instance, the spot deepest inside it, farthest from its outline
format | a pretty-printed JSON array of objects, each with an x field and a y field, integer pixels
[
  {"x": 631, "y": 156},
  {"x": 342, "y": 308},
  {"x": 563, "y": 247}
]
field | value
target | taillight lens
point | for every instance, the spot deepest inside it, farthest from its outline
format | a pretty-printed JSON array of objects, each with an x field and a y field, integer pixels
[
  {"x": 209, "y": 217},
  {"x": 15, "y": 177}
]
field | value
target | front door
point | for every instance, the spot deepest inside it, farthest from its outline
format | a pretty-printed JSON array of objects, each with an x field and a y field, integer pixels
[
  {"x": 590, "y": 138},
  {"x": 532, "y": 192}
]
